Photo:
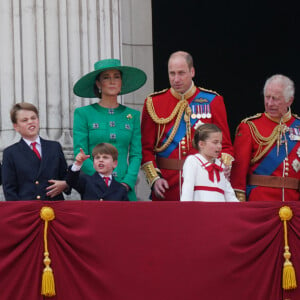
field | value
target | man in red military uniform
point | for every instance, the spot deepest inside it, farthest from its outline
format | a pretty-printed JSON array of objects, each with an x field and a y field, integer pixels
[
  {"x": 168, "y": 123},
  {"x": 267, "y": 148}
]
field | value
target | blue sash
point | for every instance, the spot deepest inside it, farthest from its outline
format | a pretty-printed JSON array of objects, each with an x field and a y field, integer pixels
[
  {"x": 272, "y": 161},
  {"x": 181, "y": 132}
]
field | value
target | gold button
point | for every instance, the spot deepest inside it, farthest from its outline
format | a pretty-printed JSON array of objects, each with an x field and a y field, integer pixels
[
  {"x": 183, "y": 147},
  {"x": 38, "y": 197},
  {"x": 184, "y": 153},
  {"x": 182, "y": 142},
  {"x": 36, "y": 182}
]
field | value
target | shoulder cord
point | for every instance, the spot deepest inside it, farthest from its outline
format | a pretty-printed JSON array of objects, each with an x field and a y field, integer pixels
[
  {"x": 264, "y": 141},
  {"x": 181, "y": 106}
]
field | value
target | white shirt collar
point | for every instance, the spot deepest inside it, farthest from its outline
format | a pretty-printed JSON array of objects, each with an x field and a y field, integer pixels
[
  {"x": 110, "y": 176},
  {"x": 204, "y": 160},
  {"x": 37, "y": 140}
]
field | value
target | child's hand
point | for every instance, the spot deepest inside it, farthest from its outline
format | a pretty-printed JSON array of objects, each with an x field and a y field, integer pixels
[{"x": 81, "y": 157}]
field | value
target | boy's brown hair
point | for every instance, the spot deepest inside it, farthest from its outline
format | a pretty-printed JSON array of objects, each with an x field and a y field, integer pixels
[
  {"x": 22, "y": 106},
  {"x": 105, "y": 148}
]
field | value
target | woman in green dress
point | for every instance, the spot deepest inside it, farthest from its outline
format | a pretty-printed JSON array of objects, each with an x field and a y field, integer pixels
[{"x": 109, "y": 121}]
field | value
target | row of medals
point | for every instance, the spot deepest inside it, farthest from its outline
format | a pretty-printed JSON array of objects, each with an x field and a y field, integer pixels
[{"x": 201, "y": 111}]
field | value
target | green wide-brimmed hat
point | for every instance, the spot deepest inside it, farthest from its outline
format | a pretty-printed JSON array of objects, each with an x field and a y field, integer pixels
[{"x": 132, "y": 78}]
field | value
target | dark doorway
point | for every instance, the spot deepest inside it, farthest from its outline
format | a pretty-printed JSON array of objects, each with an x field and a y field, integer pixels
[{"x": 236, "y": 46}]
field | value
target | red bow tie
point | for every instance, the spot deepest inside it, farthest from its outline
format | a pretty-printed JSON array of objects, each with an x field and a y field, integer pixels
[{"x": 213, "y": 168}]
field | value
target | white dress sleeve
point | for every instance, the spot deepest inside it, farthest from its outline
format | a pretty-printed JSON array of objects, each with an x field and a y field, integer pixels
[
  {"x": 189, "y": 176},
  {"x": 229, "y": 193}
]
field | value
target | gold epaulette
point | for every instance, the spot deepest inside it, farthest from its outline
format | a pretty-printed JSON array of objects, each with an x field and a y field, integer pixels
[
  {"x": 258, "y": 115},
  {"x": 157, "y": 93},
  {"x": 206, "y": 90},
  {"x": 251, "y": 118}
]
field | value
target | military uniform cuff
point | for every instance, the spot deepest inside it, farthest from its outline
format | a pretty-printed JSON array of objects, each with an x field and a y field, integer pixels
[
  {"x": 151, "y": 173},
  {"x": 227, "y": 159},
  {"x": 241, "y": 195}
]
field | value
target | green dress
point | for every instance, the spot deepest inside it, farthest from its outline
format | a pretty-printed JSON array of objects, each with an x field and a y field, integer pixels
[{"x": 94, "y": 124}]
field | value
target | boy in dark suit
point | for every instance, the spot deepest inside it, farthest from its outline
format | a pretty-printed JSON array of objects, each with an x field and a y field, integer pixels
[
  {"x": 101, "y": 185},
  {"x": 32, "y": 168}
]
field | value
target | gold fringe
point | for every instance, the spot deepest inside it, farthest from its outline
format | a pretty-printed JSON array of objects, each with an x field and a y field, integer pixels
[
  {"x": 48, "y": 284},
  {"x": 289, "y": 280}
]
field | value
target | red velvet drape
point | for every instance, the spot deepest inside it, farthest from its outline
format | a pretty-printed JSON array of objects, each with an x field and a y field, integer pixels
[{"x": 148, "y": 250}]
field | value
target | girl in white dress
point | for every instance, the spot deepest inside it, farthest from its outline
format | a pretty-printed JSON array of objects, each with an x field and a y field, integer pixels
[{"x": 203, "y": 175}]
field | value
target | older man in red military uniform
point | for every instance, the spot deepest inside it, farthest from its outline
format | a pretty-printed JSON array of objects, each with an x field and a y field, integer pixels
[
  {"x": 267, "y": 148},
  {"x": 168, "y": 124}
]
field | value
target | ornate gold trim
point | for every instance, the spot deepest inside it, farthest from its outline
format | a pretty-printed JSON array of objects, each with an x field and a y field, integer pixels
[
  {"x": 151, "y": 173},
  {"x": 227, "y": 159},
  {"x": 206, "y": 90},
  {"x": 241, "y": 195}
]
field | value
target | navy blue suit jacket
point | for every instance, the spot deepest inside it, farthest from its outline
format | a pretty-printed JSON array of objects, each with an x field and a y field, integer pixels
[
  {"x": 93, "y": 187},
  {"x": 25, "y": 177}
]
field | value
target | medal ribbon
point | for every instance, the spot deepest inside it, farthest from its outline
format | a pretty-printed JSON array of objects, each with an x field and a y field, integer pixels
[{"x": 181, "y": 132}]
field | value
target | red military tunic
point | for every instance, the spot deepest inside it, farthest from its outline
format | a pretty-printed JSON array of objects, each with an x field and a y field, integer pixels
[
  {"x": 153, "y": 135},
  {"x": 247, "y": 147}
]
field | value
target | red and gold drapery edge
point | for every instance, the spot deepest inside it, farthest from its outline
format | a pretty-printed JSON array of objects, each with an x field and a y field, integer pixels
[{"x": 149, "y": 250}]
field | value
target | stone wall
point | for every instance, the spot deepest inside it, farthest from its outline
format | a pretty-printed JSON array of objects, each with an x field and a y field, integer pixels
[{"x": 47, "y": 45}]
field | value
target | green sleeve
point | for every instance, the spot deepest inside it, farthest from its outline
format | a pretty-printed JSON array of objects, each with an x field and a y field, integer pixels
[
  {"x": 81, "y": 138},
  {"x": 135, "y": 153}
]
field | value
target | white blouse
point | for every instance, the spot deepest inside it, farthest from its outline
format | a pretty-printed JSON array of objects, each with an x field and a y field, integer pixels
[{"x": 197, "y": 186}]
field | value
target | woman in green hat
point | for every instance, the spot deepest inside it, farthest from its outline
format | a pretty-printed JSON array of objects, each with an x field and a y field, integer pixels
[{"x": 109, "y": 121}]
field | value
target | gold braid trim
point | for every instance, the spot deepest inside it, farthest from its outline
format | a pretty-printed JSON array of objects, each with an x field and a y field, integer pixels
[
  {"x": 296, "y": 116},
  {"x": 263, "y": 141},
  {"x": 154, "y": 116},
  {"x": 181, "y": 106},
  {"x": 151, "y": 173},
  {"x": 227, "y": 159},
  {"x": 241, "y": 195},
  {"x": 251, "y": 118},
  {"x": 206, "y": 90}
]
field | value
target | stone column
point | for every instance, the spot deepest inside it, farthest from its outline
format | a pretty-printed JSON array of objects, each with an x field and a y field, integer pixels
[{"x": 47, "y": 45}]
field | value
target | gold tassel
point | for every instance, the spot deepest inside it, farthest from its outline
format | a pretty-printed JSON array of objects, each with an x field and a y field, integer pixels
[
  {"x": 289, "y": 280},
  {"x": 48, "y": 284}
]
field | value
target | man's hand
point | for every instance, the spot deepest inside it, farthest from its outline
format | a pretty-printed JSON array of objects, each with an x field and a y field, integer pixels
[
  {"x": 160, "y": 186},
  {"x": 126, "y": 186},
  {"x": 56, "y": 187}
]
